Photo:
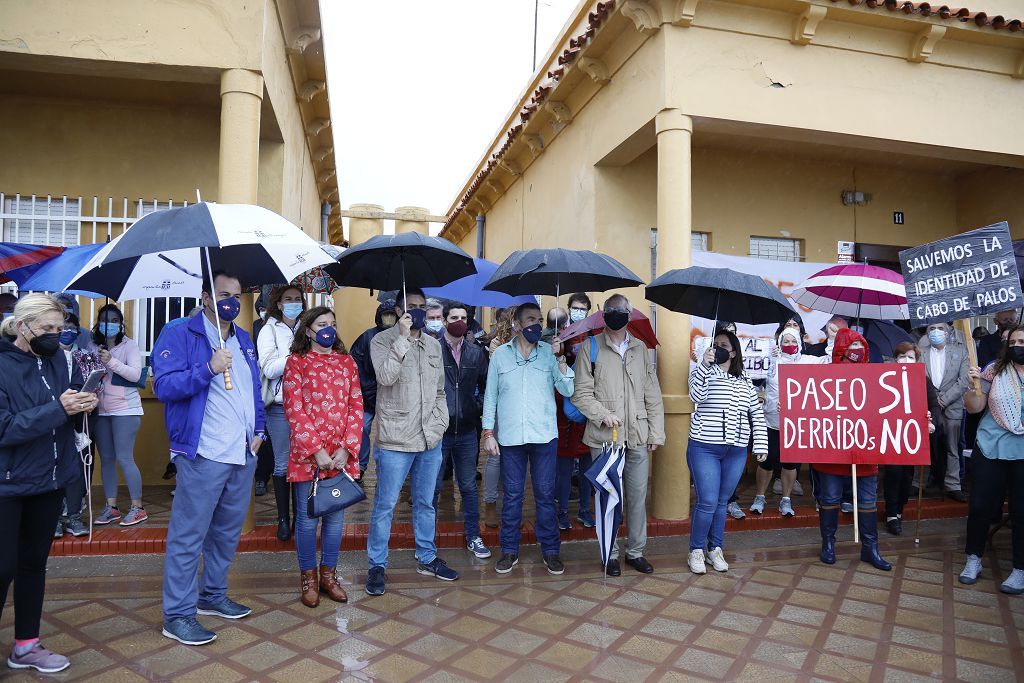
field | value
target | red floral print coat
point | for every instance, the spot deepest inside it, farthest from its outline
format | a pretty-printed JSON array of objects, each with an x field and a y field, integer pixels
[{"x": 324, "y": 407}]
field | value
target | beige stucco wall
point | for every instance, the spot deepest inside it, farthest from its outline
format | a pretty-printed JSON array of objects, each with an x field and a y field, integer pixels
[{"x": 989, "y": 196}]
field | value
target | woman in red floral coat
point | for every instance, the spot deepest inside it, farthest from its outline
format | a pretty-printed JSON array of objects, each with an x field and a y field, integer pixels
[{"x": 324, "y": 407}]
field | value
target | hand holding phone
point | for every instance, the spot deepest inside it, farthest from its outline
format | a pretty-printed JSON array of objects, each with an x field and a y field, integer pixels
[{"x": 92, "y": 382}]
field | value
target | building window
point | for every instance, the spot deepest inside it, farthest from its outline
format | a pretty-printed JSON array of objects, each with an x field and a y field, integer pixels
[
  {"x": 699, "y": 241},
  {"x": 49, "y": 221},
  {"x": 775, "y": 248}
]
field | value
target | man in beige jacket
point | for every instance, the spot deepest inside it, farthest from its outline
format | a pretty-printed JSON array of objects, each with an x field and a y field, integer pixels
[
  {"x": 412, "y": 416},
  {"x": 619, "y": 390}
]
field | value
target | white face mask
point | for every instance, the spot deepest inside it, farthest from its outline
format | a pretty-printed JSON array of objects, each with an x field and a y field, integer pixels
[{"x": 906, "y": 359}]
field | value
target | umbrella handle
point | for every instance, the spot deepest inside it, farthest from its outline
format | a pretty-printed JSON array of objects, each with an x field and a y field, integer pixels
[
  {"x": 227, "y": 379},
  {"x": 615, "y": 435}
]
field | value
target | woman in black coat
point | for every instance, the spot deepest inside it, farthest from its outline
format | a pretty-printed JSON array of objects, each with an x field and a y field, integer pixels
[{"x": 39, "y": 403}]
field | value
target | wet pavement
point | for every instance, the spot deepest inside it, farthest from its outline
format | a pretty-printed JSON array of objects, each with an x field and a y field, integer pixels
[{"x": 778, "y": 615}]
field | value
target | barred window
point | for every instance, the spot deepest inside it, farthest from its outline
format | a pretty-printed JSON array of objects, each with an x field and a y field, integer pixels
[
  {"x": 775, "y": 248},
  {"x": 699, "y": 241},
  {"x": 48, "y": 221}
]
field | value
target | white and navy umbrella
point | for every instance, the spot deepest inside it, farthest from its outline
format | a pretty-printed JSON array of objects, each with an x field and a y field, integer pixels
[
  {"x": 606, "y": 476},
  {"x": 168, "y": 253}
]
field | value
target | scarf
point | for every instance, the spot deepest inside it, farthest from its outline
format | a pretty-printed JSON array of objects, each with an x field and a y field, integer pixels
[{"x": 1005, "y": 398}]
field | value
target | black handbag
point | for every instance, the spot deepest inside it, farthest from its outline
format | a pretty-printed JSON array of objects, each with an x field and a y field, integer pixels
[{"x": 332, "y": 494}]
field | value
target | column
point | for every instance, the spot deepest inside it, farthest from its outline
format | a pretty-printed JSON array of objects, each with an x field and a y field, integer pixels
[
  {"x": 412, "y": 225},
  {"x": 671, "y": 477},
  {"x": 241, "y": 97},
  {"x": 355, "y": 307}
]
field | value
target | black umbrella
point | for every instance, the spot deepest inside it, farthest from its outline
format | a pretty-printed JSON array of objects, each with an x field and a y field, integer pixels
[
  {"x": 388, "y": 261},
  {"x": 720, "y": 294},
  {"x": 552, "y": 271},
  {"x": 884, "y": 336}
]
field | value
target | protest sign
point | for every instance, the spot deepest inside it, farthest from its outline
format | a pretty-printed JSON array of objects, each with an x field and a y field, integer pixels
[
  {"x": 966, "y": 275},
  {"x": 756, "y": 352},
  {"x": 875, "y": 413}
]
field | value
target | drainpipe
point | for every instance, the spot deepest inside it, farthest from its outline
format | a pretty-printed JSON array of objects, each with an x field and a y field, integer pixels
[
  {"x": 325, "y": 213},
  {"x": 481, "y": 224}
]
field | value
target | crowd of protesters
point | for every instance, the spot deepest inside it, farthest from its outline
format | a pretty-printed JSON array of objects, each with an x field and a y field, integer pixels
[{"x": 436, "y": 393}]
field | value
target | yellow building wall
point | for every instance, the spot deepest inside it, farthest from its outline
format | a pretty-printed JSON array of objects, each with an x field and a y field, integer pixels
[{"x": 989, "y": 196}]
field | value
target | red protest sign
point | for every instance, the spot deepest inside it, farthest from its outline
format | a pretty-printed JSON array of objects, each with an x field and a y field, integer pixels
[{"x": 872, "y": 413}]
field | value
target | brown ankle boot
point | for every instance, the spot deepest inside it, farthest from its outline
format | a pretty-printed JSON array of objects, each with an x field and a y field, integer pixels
[
  {"x": 310, "y": 596},
  {"x": 329, "y": 584},
  {"x": 491, "y": 515}
]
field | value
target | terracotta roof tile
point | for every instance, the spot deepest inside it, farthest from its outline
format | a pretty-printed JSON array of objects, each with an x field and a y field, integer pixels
[{"x": 943, "y": 12}]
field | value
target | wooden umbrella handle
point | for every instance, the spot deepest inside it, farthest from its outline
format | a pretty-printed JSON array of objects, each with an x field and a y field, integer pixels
[{"x": 227, "y": 379}]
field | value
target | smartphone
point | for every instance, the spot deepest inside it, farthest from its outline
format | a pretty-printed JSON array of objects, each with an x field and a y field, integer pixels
[{"x": 92, "y": 382}]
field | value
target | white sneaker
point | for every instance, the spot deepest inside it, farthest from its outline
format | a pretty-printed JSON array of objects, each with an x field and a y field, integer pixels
[
  {"x": 786, "y": 508},
  {"x": 718, "y": 560},
  {"x": 971, "y": 570},
  {"x": 735, "y": 511},
  {"x": 696, "y": 562},
  {"x": 798, "y": 490},
  {"x": 757, "y": 507},
  {"x": 1014, "y": 584},
  {"x": 777, "y": 486}
]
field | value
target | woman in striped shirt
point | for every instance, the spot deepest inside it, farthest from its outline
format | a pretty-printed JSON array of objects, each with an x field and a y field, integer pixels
[{"x": 726, "y": 410}]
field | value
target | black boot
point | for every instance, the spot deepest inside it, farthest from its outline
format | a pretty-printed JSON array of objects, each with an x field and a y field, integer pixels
[
  {"x": 828, "y": 521},
  {"x": 283, "y": 497},
  {"x": 869, "y": 541}
]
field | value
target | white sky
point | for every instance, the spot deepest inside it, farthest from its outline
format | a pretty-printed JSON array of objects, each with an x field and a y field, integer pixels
[{"x": 419, "y": 89}]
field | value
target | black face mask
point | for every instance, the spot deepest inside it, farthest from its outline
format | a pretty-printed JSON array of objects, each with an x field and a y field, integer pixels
[
  {"x": 45, "y": 345},
  {"x": 616, "y": 319},
  {"x": 1017, "y": 354},
  {"x": 721, "y": 355}
]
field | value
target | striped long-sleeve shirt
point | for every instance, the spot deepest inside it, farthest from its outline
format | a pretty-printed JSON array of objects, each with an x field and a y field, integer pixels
[{"x": 726, "y": 407}]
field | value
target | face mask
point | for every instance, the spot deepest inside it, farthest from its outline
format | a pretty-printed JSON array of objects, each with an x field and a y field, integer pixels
[
  {"x": 577, "y": 314},
  {"x": 326, "y": 336},
  {"x": 228, "y": 309},
  {"x": 532, "y": 334},
  {"x": 434, "y": 326},
  {"x": 906, "y": 359},
  {"x": 721, "y": 355},
  {"x": 110, "y": 329},
  {"x": 388, "y": 320},
  {"x": 790, "y": 349},
  {"x": 68, "y": 337},
  {"x": 616, "y": 319},
  {"x": 45, "y": 345},
  {"x": 263, "y": 315},
  {"x": 458, "y": 329},
  {"x": 937, "y": 337},
  {"x": 855, "y": 355},
  {"x": 419, "y": 318},
  {"x": 1017, "y": 354},
  {"x": 291, "y": 310}
]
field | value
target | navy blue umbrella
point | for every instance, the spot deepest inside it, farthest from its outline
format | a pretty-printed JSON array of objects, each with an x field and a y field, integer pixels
[
  {"x": 389, "y": 261},
  {"x": 606, "y": 476},
  {"x": 720, "y": 294},
  {"x": 883, "y": 336},
  {"x": 553, "y": 271}
]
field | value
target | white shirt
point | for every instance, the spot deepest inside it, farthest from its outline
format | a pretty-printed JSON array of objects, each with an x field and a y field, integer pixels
[
  {"x": 623, "y": 347},
  {"x": 937, "y": 365}
]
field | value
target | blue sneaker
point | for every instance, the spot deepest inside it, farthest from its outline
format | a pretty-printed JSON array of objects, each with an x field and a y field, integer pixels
[
  {"x": 375, "y": 581},
  {"x": 437, "y": 569},
  {"x": 563, "y": 521},
  {"x": 188, "y": 631},
  {"x": 478, "y": 548},
  {"x": 586, "y": 520},
  {"x": 226, "y": 608}
]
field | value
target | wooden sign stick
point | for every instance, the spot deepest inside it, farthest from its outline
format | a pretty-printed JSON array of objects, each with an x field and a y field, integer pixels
[{"x": 972, "y": 351}]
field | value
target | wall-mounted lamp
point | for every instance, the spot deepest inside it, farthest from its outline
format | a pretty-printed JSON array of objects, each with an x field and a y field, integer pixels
[{"x": 854, "y": 197}]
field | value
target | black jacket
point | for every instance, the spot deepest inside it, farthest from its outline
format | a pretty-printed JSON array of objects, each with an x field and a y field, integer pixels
[
  {"x": 464, "y": 385},
  {"x": 37, "y": 438},
  {"x": 989, "y": 348},
  {"x": 367, "y": 376}
]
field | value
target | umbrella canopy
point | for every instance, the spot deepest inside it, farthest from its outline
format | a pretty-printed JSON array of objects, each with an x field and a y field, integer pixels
[
  {"x": 470, "y": 289},
  {"x": 166, "y": 253},
  {"x": 884, "y": 336},
  {"x": 313, "y": 281},
  {"x": 720, "y": 294},
  {"x": 855, "y": 290},
  {"x": 55, "y": 274},
  {"x": 18, "y": 261},
  {"x": 389, "y": 261},
  {"x": 553, "y": 271},
  {"x": 606, "y": 476},
  {"x": 639, "y": 326}
]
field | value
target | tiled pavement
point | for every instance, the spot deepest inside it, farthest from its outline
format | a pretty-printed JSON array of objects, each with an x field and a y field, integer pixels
[{"x": 777, "y": 615}]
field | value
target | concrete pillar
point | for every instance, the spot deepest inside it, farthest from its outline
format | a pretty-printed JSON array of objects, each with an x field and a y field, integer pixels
[
  {"x": 421, "y": 227},
  {"x": 354, "y": 307},
  {"x": 241, "y": 97},
  {"x": 671, "y": 477}
]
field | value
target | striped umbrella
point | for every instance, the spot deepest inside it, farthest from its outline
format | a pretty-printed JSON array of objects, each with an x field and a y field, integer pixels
[
  {"x": 605, "y": 474},
  {"x": 855, "y": 290}
]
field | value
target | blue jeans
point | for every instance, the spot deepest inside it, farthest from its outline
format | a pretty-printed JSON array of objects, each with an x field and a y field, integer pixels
[
  {"x": 280, "y": 438},
  {"x": 206, "y": 521},
  {"x": 461, "y": 451},
  {"x": 563, "y": 483},
  {"x": 716, "y": 470},
  {"x": 364, "y": 445},
  {"x": 541, "y": 459},
  {"x": 392, "y": 468},
  {"x": 305, "y": 531},
  {"x": 831, "y": 488}
]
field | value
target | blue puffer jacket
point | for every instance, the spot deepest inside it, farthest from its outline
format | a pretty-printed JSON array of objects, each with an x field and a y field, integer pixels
[
  {"x": 37, "y": 438},
  {"x": 181, "y": 359}
]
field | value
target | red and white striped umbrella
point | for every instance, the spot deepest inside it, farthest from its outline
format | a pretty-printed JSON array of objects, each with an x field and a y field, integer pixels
[{"x": 855, "y": 290}]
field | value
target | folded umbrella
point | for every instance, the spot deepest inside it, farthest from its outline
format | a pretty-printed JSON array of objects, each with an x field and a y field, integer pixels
[
  {"x": 470, "y": 289},
  {"x": 720, "y": 294},
  {"x": 639, "y": 326},
  {"x": 855, "y": 290},
  {"x": 553, "y": 271},
  {"x": 606, "y": 476}
]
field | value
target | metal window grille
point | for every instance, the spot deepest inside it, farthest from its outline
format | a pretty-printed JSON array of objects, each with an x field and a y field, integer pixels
[
  {"x": 775, "y": 248},
  {"x": 699, "y": 241},
  {"x": 39, "y": 220}
]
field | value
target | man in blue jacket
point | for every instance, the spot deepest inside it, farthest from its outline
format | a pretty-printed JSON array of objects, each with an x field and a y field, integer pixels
[{"x": 214, "y": 433}]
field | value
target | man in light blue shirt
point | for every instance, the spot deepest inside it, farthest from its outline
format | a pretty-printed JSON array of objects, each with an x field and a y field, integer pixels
[{"x": 520, "y": 416}]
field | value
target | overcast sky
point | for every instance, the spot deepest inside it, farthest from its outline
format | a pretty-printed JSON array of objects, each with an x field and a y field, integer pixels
[{"x": 419, "y": 89}]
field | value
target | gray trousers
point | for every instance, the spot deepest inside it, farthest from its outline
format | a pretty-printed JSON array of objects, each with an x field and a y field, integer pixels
[
  {"x": 952, "y": 481},
  {"x": 115, "y": 439},
  {"x": 634, "y": 490}
]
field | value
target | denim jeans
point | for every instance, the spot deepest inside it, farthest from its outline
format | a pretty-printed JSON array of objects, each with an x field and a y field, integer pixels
[
  {"x": 716, "y": 470},
  {"x": 364, "y": 445},
  {"x": 563, "y": 483},
  {"x": 461, "y": 451},
  {"x": 832, "y": 486},
  {"x": 305, "y": 531},
  {"x": 392, "y": 469},
  {"x": 280, "y": 438},
  {"x": 540, "y": 457}
]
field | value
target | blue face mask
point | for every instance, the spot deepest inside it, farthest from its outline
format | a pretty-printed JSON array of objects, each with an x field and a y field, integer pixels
[
  {"x": 291, "y": 310},
  {"x": 228, "y": 309},
  {"x": 419, "y": 318},
  {"x": 937, "y": 337},
  {"x": 434, "y": 326},
  {"x": 68, "y": 337},
  {"x": 110, "y": 329},
  {"x": 532, "y": 334},
  {"x": 326, "y": 336}
]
